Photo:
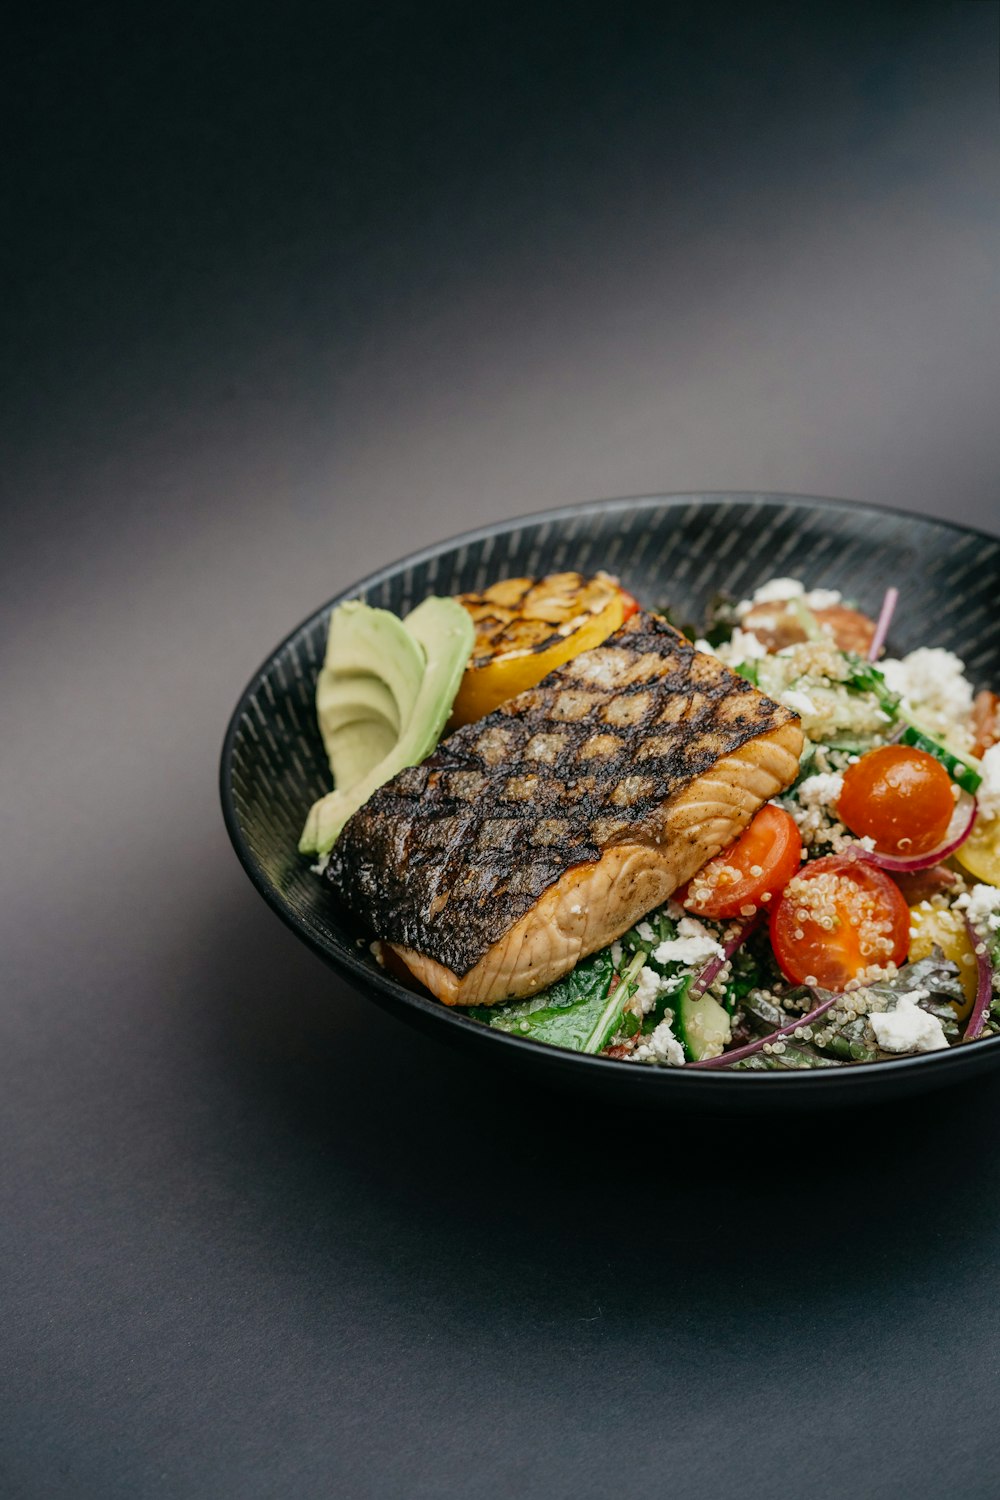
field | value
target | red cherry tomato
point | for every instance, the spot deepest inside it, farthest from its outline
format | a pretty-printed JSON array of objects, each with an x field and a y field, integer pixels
[
  {"x": 630, "y": 602},
  {"x": 839, "y": 916},
  {"x": 757, "y": 866},
  {"x": 900, "y": 797}
]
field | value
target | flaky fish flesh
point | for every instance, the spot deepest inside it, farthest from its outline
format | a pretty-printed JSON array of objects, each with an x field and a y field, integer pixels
[{"x": 544, "y": 831}]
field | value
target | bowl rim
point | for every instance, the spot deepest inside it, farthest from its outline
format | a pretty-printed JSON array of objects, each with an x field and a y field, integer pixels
[{"x": 395, "y": 997}]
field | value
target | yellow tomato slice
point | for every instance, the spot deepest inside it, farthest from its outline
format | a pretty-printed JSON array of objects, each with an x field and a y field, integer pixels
[
  {"x": 980, "y": 854},
  {"x": 525, "y": 628},
  {"x": 930, "y": 925}
]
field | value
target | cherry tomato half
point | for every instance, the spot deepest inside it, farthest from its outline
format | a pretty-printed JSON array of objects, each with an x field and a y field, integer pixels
[
  {"x": 630, "y": 602},
  {"x": 839, "y": 916},
  {"x": 759, "y": 864},
  {"x": 900, "y": 797}
]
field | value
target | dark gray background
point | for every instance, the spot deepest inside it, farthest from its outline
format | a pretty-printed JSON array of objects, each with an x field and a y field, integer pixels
[{"x": 288, "y": 293}]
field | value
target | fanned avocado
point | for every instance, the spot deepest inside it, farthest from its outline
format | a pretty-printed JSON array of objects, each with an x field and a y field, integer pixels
[
  {"x": 441, "y": 633},
  {"x": 367, "y": 688},
  {"x": 359, "y": 720}
]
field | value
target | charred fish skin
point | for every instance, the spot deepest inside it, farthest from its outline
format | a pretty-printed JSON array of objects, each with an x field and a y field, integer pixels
[{"x": 448, "y": 855}]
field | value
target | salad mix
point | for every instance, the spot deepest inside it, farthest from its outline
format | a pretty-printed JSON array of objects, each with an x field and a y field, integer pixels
[{"x": 856, "y": 918}]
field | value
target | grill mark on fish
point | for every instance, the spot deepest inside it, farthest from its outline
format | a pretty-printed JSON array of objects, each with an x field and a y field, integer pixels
[{"x": 449, "y": 855}]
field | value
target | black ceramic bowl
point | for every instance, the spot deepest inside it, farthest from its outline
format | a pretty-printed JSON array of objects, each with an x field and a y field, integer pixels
[{"x": 676, "y": 548}]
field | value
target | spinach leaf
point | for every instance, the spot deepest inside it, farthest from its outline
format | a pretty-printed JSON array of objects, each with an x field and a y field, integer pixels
[
  {"x": 796, "y": 1055},
  {"x": 658, "y": 924},
  {"x": 720, "y": 619},
  {"x": 575, "y": 1012},
  {"x": 939, "y": 976}
]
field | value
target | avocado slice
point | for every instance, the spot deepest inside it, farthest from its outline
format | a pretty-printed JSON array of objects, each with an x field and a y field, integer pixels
[
  {"x": 359, "y": 721},
  {"x": 367, "y": 642},
  {"x": 442, "y": 631}
]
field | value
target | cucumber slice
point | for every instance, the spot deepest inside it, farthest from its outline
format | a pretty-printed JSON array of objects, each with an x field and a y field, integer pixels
[
  {"x": 960, "y": 768},
  {"x": 701, "y": 1024}
]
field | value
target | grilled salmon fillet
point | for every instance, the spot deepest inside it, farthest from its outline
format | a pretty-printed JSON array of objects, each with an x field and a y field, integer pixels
[{"x": 547, "y": 829}]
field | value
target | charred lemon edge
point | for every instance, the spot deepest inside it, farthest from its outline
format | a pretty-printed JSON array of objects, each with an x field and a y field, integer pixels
[{"x": 512, "y": 615}]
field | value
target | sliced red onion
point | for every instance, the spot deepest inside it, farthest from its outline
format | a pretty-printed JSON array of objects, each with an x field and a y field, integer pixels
[
  {"x": 714, "y": 965},
  {"x": 884, "y": 621},
  {"x": 961, "y": 825},
  {"x": 984, "y": 984},
  {"x": 775, "y": 1036}
]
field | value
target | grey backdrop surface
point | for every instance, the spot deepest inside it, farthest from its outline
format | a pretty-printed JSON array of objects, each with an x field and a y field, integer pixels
[{"x": 288, "y": 297}]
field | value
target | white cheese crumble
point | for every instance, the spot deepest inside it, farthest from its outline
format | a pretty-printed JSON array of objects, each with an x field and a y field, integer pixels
[
  {"x": 616, "y": 953},
  {"x": 933, "y": 686},
  {"x": 908, "y": 1028},
  {"x": 660, "y": 1046},
  {"x": 774, "y": 591},
  {"x": 821, "y": 790},
  {"x": 694, "y": 944},
  {"x": 743, "y": 646},
  {"x": 823, "y": 598},
  {"x": 988, "y": 795},
  {"x": 799, "y": 703},
  {"x": 982, "y": 907},
  {"x": 648, "y": 987},
  {"x": 645, "y": 931}
]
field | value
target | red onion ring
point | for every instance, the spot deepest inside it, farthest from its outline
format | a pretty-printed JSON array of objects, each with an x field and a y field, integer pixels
[
  {"x": 775, "y": 1036},
  {"x": 962, "y": 822},
  {"x": 884, "y": 621},
  {"x": 714, "y": 965},
  {"x": 984, "y": 985}
]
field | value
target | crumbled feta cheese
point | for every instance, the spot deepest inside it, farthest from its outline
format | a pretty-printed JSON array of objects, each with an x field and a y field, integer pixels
[
  {"x": 821, "y": 790},
  {"x": 660, "y": 1046},
  {"x": 908, "y": 1028},
  {"x": 932, "y": 685},
  {"x": 742, "y": 646},
  {"x": 645, "y": 931},
  {"x": 686, "y": 951},
  {"x": 982, "y": 907},
  {"x": 823, "y": 598},
  {"x": 799, "y": 703},
  {"x": 690, "y": 927},
  {"x": 648, "y": 986},
  {"x": 616, "y": 953},
  {"x": 988, "y": 795},
  {"x": 774, "y": 590},
  {"x": 694, "y": 944}
]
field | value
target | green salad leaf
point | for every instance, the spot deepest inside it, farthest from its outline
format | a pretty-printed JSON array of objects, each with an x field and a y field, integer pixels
[
  {"x": 577, "y": 1012},
  {"x": 866, "y": 678}
]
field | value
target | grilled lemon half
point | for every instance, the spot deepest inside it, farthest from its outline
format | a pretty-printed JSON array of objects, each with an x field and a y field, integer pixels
[{"x": 526, "y": 627}]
